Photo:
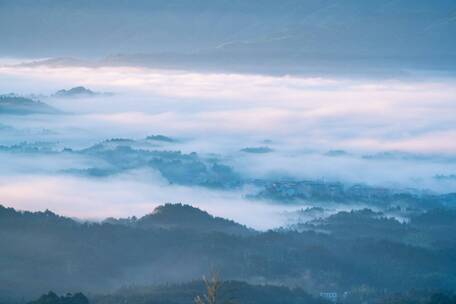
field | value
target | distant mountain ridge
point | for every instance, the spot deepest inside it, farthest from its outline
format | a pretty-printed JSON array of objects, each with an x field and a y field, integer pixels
[
  {"x": 75, "y": 92},
  {"x": 79, "y": 91},
  {"x": 17, "y": 105},
  {"x": 261, "y": 35},
  {"x": 164, "y": 217},
  {"x": 161, "y": 138}
]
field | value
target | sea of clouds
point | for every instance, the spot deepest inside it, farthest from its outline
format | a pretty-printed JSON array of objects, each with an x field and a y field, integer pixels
[{"x": 299, "y": 118}]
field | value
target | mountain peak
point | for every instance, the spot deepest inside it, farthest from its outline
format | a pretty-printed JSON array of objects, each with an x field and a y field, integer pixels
[
  {"x": 78, "y": 91},
  {"x": 186, "y": 217},
  {"x": 160, "y": 137}
]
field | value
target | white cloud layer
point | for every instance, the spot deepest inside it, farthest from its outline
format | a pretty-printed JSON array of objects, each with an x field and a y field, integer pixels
[
  {"x": 136, "y": 193},
  {"x": 411, "y": 115},
  {"x": 222, "y": 113}
]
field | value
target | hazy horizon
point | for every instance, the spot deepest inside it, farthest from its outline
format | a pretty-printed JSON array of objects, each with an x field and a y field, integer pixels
[{"x": 304, "y": 150}]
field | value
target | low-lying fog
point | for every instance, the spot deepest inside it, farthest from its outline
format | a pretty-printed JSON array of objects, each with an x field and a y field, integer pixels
[{"x": 396, "y": 133}]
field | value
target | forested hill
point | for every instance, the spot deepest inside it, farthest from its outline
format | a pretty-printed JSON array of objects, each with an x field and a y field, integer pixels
[
  {"x": 42, "y": 251},
  {"x": 17, "y": 105},
  {"x": 183, "y": 217}
]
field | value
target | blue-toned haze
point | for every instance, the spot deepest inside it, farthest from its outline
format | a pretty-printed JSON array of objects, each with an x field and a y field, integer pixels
[
  {"x": 243, "y": 99},
  {"x": 304, "y": 150}
]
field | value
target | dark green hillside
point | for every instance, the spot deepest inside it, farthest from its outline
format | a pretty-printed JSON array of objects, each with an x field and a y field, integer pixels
[
  {"x": 184, "y": 217},
  {"x": 43, "y": 251}
]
